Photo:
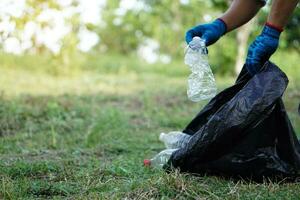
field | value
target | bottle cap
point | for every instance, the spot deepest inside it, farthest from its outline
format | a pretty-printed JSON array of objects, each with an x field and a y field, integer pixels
[
  {"x": 197, "y": 43},
  {"x": 197, "y": 38},
  {"x": 147, "y": 163}
]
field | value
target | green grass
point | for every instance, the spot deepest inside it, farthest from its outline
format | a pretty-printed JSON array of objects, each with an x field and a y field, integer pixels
[{"x": 85, "y": 135}]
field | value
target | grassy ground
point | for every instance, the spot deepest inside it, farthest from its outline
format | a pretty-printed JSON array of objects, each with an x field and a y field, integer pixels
[{"x": 85, "y": 136}]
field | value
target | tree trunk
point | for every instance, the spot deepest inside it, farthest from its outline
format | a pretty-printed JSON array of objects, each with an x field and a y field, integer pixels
[{"x": 242, "y": 37}]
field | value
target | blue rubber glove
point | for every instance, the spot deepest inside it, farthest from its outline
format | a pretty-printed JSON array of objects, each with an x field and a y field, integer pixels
[
  {"x": 262, "y": 48},
  {"x": 209, "y": 32}
]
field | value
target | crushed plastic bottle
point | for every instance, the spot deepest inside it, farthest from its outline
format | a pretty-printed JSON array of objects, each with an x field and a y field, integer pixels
[
  {"x": 201, "y": 83},
  {"x": 160, "y": 159},
  {"x": 174, "y": 139}
]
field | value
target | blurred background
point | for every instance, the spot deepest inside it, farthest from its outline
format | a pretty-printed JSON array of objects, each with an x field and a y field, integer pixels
[
  {"x": 62, "y": 54},
  {"x": 71, "y": 33},
  {"x": 86, "y": 86}
]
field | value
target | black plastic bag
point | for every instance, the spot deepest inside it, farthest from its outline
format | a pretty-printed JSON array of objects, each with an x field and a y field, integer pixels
[{"x": 243, "y": 132}]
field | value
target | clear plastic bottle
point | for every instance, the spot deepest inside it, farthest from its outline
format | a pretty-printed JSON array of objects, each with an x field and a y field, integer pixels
[
  {"x": 174, "y": 139},
  {"x": 201, "y": 83},
  {"x": 160, "y": 159}
]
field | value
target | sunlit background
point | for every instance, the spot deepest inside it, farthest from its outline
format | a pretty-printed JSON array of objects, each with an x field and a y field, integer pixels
[
  {"x": 28, "y": 26},
  {"x": 89, "y": 38},
  {"x": 154, "y": 30},
  {"x": 86, "y": 86},
  {"x": 60, "y": 47}
]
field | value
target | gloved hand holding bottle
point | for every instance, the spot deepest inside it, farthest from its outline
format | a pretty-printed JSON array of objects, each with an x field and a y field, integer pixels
[
  {"x": 239, "y": 13},
  {"x": 209, "y": 32}
]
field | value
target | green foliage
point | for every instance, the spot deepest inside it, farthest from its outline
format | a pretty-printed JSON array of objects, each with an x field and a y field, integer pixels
[
  {"x": 164, "y": 21},
  {"x": 220, "y": 55},
  {"x": 293, "y": 32},
  {"x": 86, "y": 137},
  {"x": 23, "y": 169},
  {"x": 34, "y": 9},
  {"x": 122, "y": 32},
  {"x": 103, "y": 129},
  {"x": 61, "y": 60},
  {"x": 58, "y": 65}
]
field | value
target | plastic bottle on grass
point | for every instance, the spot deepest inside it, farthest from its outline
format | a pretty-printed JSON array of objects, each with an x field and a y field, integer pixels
[
  {"x": 201, "y": 83},
  {"x": 160, "y": 159},
  {"x": 174, "y": 139}
]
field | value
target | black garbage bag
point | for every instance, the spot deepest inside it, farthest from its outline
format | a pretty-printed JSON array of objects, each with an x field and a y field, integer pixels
[{"x": 243, "y": 132}]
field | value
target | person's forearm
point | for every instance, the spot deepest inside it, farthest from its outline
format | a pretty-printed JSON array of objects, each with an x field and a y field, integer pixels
[
  {"x": 240, "y": 12},
  {"x": 281, "y": 11}
]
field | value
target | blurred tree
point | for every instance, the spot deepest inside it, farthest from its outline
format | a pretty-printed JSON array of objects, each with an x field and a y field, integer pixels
[
  {"x": 171, "y": 20},
  {"x": 129, "y": 24},
  {"x": 42, "y": 19},
  {"x": 123, "y": 29},
  {"x": 33, "y": 10},
  {"x": 163, "y": 21},
  {"x": 293, "y": 31}
]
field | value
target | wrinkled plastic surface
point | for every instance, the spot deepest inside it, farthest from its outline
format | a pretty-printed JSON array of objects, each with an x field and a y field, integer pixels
[
  {"x": 160, "y": 159},
  {"x": 201, "y": 82},
  {"x": 174, "y": 139},
  {"x": 243, "y": 132}
]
